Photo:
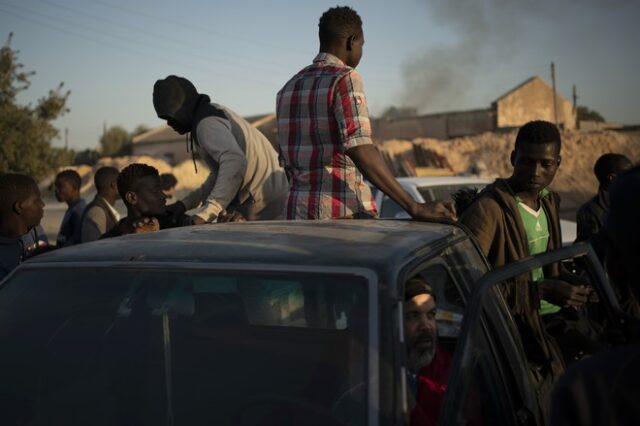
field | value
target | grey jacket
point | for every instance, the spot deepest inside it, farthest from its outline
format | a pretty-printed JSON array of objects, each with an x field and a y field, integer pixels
[
  {"x": 97, "y": 219},
  {"x": 244, "y": 172}
]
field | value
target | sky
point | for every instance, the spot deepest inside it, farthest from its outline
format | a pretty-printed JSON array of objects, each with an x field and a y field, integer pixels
[{"x": 434, "y": 55}]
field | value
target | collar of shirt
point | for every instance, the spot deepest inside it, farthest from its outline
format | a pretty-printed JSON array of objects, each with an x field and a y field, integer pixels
[
  {"x": 113, "y": 211},
  {"x": 328, "y": 58}
]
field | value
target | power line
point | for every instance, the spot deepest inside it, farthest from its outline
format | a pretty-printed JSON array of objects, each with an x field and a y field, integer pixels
[
  {"x": 126, "y": 49},
  {"x": 180, "y": 43}
]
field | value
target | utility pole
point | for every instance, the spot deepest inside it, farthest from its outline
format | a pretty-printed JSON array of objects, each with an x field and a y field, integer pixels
[
  {"x": 66, "y": 138},
  {"x": 575, "y": 106},
  {"x": 555, "y": 101}
]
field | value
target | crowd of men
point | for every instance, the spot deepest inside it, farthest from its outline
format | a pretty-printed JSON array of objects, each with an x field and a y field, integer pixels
[{"x": 320, "y": 170}]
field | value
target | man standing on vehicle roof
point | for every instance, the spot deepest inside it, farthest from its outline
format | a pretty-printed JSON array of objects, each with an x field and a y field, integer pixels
[
  {"x": 324, "y": 134},
  {"x": 518, "y": 217},
  {"x": 244, "y": 173},
  {"x": 604, "y": 389}
]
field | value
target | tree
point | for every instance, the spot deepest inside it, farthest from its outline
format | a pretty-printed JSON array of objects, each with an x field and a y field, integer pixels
[
  {"x": 26, "y": 131},
  {"x": 586, "y": 114},
  {"x": 115, "y": 141}
]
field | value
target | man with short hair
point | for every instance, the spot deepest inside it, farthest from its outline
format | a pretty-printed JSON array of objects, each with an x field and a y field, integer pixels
[
  {"x": 100, "y": 216},
  {"x": 324, "y": 134},
  {"x": 244, "y": 173},
  {"x": 518, "y": 217},
  {"x": 67, "y": 189},
  {"x": 591, "y": 215},
  {"x": 169, "y": 183},
  {"x": 604, "y": 390},
  {"x": 21, "y": 209},
  {"x": 141, "y": 191},
  {"x": 429, "y": 365}
]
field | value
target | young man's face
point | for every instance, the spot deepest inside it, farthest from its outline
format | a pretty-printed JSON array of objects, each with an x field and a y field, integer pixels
[
  {"x": 65, "y": 190},
  {"x": 535, "y": 165},
  {"x": 32, "y": 209},
  {"x": 421, "y": 330},
  {"x": 149, "y": 200}
]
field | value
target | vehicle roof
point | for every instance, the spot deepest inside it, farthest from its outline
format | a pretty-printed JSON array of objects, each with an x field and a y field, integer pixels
[
  {"x": 375, "y": 244},
  {"x": 421, "y": 181}
]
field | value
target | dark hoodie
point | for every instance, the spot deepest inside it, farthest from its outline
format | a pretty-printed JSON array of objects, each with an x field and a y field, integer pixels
[
  {"x": 11, "y": 253},
  {"x": 495, "y": 221},
  {"x": 176, "y": 98}
]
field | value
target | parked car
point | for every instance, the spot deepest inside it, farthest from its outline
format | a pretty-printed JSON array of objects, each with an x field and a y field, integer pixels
[
  {"x": 432, "y": 188},
  {"x": 258, "y": 323}
]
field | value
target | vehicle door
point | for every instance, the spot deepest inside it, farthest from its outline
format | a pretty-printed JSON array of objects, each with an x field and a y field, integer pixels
[{"x": 492, "y": 380}]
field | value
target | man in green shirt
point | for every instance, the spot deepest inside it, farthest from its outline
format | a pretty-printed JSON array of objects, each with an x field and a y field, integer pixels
[{"x": 517, "y": 217}]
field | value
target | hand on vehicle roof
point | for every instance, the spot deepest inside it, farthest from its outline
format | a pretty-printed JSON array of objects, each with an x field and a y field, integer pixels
[
  {"x": 146, "y": 224},
  {"x": 433, "y": 210}
]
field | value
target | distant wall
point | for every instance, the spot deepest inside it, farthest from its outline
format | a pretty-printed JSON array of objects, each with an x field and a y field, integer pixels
[
  {"x": 173, "y": 152},
  {"x": 439, "y": 126}
]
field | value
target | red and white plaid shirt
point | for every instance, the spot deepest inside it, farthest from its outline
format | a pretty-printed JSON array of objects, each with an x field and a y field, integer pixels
[{"x": 322, "y": 112}]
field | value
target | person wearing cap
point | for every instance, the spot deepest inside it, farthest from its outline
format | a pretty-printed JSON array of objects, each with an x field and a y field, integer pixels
[
  {"x": 244, "y": 173},
  {"x": 428, "y": 364}
]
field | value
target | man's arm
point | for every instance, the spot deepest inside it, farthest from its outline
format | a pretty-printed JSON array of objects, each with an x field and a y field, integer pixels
[
  {"x": 222, "y": 186},
  {"x": 352, "y": 116},
  {"x": 373, "y": 167}
]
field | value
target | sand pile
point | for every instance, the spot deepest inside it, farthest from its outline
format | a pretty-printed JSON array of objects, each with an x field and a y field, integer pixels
[
  {"x": 488, "y": 155},
  {"x": 188, "y": 179}
]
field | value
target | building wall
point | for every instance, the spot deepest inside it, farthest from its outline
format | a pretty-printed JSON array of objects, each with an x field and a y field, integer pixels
[
  {"x": 172, "y": 151},
  {"x": 438, "y": 126},
  {"x": 533, "y": 101}
]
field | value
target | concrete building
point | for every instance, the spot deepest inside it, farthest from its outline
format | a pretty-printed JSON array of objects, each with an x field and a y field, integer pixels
[{"x": 530, "y": 100}]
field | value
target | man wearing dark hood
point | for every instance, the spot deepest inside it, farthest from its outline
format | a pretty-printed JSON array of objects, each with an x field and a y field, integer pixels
[
  {"x": 244, "y": 172},
  {"x": 604, "y": 390}
]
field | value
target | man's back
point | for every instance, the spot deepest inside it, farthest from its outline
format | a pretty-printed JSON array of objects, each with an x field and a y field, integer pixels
[
  {"x": 602, "y": 390},
  {"x": 322, "y": 112}
]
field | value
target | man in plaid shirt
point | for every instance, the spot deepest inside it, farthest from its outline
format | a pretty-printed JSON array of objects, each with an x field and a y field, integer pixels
[{"x": 325, "y": 135}]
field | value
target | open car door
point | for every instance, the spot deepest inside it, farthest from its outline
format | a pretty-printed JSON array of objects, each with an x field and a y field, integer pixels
[{"x": 492, "y": 381}]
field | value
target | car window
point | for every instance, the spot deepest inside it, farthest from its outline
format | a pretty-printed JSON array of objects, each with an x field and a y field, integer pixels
[
  {"x": 391, "y": 209},
  {"x": 197, "y": 347},
  {"x": 443, "y": 192}
]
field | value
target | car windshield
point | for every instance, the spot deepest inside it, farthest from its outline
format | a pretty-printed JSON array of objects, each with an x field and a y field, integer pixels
[{"x": 114, "y": 346}]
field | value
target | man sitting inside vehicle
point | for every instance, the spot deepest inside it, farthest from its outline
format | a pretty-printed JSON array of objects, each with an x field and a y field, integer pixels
[
  {"x": 140, "y": 187},
  {"x": 428, "y": 364}
]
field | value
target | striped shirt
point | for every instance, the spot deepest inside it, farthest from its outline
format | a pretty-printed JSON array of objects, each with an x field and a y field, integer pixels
[{"x": 322, "y": 112}]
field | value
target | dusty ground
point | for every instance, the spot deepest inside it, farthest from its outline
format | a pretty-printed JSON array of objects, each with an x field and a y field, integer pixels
[{"x": 487, "y": 153}]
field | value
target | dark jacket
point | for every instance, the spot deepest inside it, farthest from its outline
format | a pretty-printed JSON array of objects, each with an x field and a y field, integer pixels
[
  {"x": 69, "y": 233},
  {"x": 495, "y": 221},
  {"x": 97, "y": 219},
  {"x": 590, "y": 216},
  {"x": 602, "y": 390},
  {"x": 11, "y": 254}
]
